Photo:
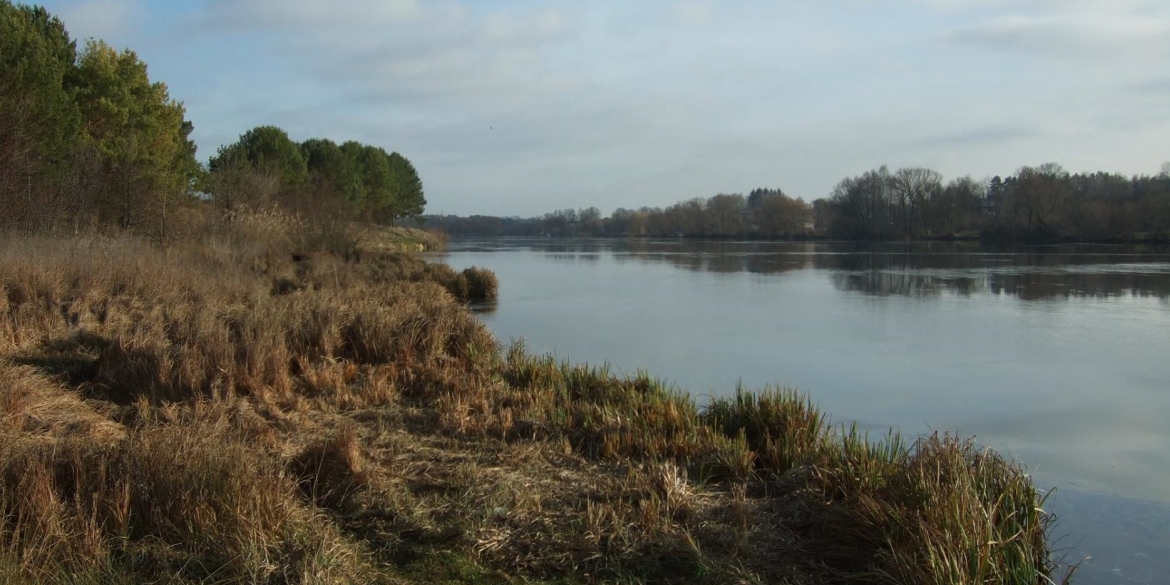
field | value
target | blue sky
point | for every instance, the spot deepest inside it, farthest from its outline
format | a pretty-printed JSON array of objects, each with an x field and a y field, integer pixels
[{"x": 521, "y": 107}]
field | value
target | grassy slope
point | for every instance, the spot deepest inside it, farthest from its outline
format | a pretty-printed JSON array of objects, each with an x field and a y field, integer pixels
[
  {"x": 219, "y": 413},
  {"x": 384, "y": 239}
]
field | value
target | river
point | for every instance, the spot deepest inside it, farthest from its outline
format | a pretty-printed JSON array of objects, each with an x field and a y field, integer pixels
[{"x": 1057, "y": 356}]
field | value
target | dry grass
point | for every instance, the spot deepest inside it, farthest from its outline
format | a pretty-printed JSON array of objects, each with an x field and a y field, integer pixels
[{"x": 218, "y": 412}]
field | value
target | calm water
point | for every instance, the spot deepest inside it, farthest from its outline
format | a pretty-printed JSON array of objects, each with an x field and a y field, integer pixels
[{"x": 1059, "y": 356}]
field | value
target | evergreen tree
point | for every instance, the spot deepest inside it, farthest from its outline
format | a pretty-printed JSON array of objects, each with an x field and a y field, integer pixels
[
  {"x": 332, "y": 173},
  {"x": 139, "y": 134},
  {"x": 408, "y": 199},
  {"x": 268, "y": 150},
  {"x": 39, "y": 120}
]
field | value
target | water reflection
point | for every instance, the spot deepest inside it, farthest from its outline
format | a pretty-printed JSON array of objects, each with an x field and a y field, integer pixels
[
  {"x": 484, "y": 307},
  {"x": 913, "y": 270},
  {"x": 574, "y": 257},
  {"x": 1068, "y": 377}
]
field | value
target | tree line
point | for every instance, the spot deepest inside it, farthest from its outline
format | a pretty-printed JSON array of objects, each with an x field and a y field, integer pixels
[
  {"x": 1044, "y": 202},
  {"x": 317, "y": 176},
  {"x": 89, "y": 141},
  {"x": 763, "y": 213},
  {"x": 1035, "y": 203}
]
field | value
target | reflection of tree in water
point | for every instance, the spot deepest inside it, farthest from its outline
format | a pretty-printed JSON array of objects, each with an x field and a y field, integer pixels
[
  {"x": 1096, "y": 285},
  {"x": 484, "y": 307},
  {"x": 571, "y": 258},
  {"x": 926, "y": 270},
  {"x": 1030, "y": 276},
  {"x": 570, "y": 251},
  {"x": 559, "y": 246},
  {"x": 716, "y": 256},
  {"x": 883, "y": 284}
]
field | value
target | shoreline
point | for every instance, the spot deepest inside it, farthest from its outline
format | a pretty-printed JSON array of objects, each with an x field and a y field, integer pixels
[{"x": 360, "y": 411}]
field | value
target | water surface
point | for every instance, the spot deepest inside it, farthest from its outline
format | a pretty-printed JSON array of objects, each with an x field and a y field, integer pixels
[{"x": 1058, "y": 356}]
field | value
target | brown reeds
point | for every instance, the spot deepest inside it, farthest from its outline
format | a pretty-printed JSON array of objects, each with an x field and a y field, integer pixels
[{"x": 222, "y": 412}]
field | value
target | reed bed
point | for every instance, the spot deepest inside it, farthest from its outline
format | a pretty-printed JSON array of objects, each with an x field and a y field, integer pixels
[{"x": 227, "y": 411}]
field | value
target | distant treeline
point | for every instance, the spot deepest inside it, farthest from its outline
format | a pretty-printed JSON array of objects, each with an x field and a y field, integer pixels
[
  {"x": 1035, "y": 203},
  {"x": 763, "y": 213},
  {"x": 1043, "y": 202},
  {"x": 87, "y": 140}
]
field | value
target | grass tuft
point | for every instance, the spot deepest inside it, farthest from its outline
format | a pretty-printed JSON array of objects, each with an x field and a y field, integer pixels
[{"x": 222, "y": 411}]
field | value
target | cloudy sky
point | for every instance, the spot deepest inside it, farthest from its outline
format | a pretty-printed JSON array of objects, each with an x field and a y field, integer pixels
[{"x": 518, "y": 107}]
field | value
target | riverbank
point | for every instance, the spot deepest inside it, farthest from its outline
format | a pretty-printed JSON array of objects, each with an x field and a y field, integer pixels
[
  {"x": 223, "y": 412},
  {"x": 379, "y": 239}
]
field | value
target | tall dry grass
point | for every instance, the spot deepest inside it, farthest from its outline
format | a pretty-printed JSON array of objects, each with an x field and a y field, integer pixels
[
  {"x": 190, "y": 499},
  {"x": 222, "y": 412}
]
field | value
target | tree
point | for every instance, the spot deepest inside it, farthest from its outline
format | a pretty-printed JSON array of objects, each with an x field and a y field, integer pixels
[
  {"x": 774, "y": 214},
  {"x": 139, "y": 134},
  {"x": 407, "y": 199},
  {"x": 958, "y": 206},
  {"x": 36, "y": 58},
  {"x": 912, "y": 190},
  {"x": 1041, "y": 192},
  {"x": 268, "y": 150},
  {"x": 863, "y": 205},
  {"x": 39, "y": 119},
  {"x": 233, "y": 182},
  {"x": 332, "y": 174},
  {"x": 725, "y": 215},
  {"x": 589, "y": 221},
  {"x": 688, "y": 218},
  {"x": 373, "y": 167}
]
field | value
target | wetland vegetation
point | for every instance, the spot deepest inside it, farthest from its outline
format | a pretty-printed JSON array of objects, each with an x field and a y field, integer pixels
[
  {"x": 220, "y": 412},
  {"x": 234, "y": 374}
]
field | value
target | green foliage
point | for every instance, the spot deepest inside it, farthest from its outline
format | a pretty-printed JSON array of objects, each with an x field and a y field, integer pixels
[
  {"x": 90, "y": 135},
  {"x": 373, "y": 165},
  {"x": 137, "y": 130},
  {"x": 318, "y": 177},
  {"x": 331, "y": 172},
  {"x": 36, "y": 57},
  {"x": 268, "y": 150},
  {"x": 408, "y": 199},
  {"x": 39, "y": 120},
  {"x": 90, "y": 139}
]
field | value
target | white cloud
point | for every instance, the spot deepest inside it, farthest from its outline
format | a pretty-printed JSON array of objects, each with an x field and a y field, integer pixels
[
  {"x": 403, "y": 50},
  {"x": 1075, "y": 30}
]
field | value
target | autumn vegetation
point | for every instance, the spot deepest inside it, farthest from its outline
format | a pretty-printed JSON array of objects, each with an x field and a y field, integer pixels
[
  {"x": 234, "y": 375},
  {"x": 218, "y": 411}
]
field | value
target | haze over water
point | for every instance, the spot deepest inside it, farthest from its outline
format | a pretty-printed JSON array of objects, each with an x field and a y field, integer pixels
[{"x": 1058, "y": 356}]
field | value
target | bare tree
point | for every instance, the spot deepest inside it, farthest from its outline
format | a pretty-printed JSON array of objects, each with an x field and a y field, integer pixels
[
  {"x": 912, "y": 189},
  {"x": 1042, "y": 191}
]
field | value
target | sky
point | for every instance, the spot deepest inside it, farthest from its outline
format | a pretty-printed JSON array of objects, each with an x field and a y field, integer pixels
[{"x": 520, "y": 107}]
